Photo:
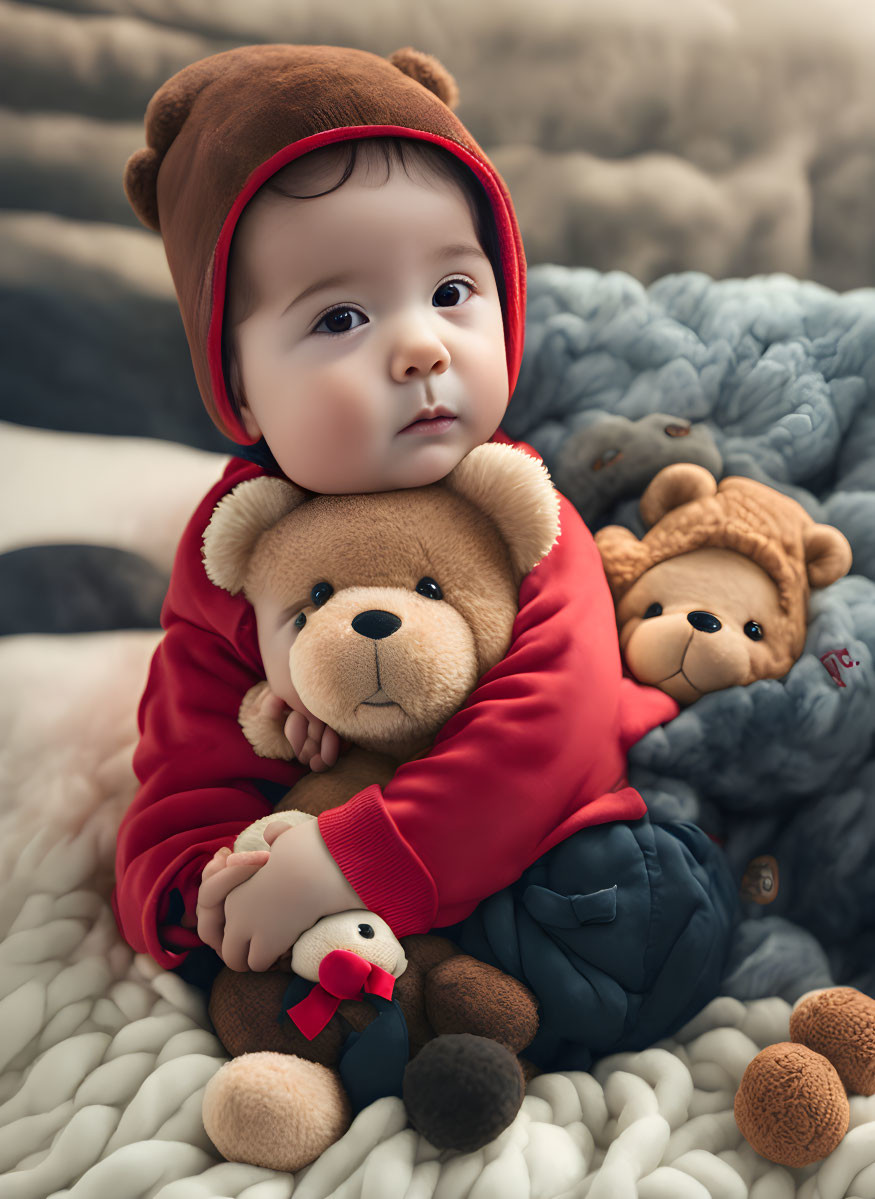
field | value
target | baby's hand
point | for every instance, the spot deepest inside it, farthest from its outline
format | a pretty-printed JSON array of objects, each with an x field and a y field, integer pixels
[
  {"x": 234, "y": 868},
  {"x": 314, "y": 744}
]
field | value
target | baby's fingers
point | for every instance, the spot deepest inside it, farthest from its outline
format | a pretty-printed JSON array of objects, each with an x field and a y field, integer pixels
[
  {"x": 215, "y": 890},
  {"x": 330, "y": 747},
  {"x": 296, "y": 733},
  {"x": 216, "y": 862}
]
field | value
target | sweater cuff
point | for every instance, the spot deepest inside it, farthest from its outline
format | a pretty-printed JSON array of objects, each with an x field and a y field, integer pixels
[{"x": 386, "y": 874}]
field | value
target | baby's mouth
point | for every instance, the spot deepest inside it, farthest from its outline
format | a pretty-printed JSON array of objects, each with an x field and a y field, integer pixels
[{"x": 434, "y": 420}]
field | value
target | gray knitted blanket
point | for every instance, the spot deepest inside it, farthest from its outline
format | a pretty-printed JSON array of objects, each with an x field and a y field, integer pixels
[{"x": 782, "y": 373}]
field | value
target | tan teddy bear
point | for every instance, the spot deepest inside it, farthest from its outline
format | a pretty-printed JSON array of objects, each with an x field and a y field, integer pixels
[
  {"x": 397, "y": 630},
  {"x": 716, "y": 592}
]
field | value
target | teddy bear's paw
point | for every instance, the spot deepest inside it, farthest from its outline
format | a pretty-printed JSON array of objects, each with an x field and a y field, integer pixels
[
  {"x": 839, "y": 1023},
  {"x": 463, "y": 994},
  {"x": 462, "y": 1091},
  {"x": 274, "y": 1110},
  {"x": 791, "y": 1105},
  {"x": 262, "y": 720}
]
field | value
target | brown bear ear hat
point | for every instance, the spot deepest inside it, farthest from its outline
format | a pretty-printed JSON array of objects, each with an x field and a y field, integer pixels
[{"x": 219, "y": 128}]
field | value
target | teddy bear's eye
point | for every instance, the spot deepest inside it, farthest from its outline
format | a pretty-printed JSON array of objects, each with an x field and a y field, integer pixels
[
  {"x": 366, "y": 931},
  {"x": 754, "y": 631},
  {"x": 429, "y": 588},
  {"x": 653, "y": 610},
  {"x": 321, "y": 594},
  {"x": 300, "y": 620}
]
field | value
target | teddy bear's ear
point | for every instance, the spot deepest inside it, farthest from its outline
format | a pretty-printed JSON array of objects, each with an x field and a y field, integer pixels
[
  {"x": 675, "y": 485},
  {"x": 238, "y": 521},
  {"x": 623, "y": 556},
  {"x": 515, "y": 491},
  {"x": 827, "y": 554}
]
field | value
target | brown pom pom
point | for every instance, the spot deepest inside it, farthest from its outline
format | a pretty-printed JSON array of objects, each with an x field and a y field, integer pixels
[
  {"x": 791, "y": 1105},
  {"x": 426, "y": 69},
  {"x": 840, "y": 1024},
  {"x": 140, "y": 178}
]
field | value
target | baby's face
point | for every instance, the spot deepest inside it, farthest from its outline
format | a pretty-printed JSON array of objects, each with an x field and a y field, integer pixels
[{"x": 374, "y": 358}]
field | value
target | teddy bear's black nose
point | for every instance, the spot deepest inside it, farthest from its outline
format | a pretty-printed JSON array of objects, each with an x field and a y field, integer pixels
[
  {"x": 704, "y": 622},
  {"x": 376, "y": 624}
]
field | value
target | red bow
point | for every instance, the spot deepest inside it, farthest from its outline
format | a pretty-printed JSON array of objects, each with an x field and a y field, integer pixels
[{"x": 342, "y": 975}]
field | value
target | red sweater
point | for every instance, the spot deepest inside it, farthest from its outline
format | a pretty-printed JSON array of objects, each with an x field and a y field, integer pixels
[{"x": 537, "y": 752}]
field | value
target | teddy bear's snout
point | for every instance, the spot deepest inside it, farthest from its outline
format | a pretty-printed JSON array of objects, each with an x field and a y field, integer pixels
[
  {"x": 704, "y": 622},
  {"x": 376, "y": 624}
]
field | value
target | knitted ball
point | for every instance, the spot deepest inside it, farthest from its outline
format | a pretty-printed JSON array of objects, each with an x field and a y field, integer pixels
[
  {"x": 461, "y": 1091},
  {"x": 840, "y": 1024},
  {"x": 274, "y": 1110},
  {"x": 791, "y": 1105}
]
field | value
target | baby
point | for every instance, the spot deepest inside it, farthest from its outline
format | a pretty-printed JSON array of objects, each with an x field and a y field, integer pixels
[{"x": 351, "y": 280}]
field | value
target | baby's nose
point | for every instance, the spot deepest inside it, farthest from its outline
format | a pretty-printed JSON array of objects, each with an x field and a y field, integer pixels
[{"x": 376, "y": 624}]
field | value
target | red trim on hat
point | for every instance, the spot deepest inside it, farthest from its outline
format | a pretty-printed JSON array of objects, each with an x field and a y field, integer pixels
[{"x": 512, "y": 260}]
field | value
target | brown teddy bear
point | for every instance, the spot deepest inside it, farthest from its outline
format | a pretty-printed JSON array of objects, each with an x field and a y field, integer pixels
[
  {"x": 791, "y": 1105},
  {"x": 716, "y": 592},
  {"x": 400, "y": 630}
]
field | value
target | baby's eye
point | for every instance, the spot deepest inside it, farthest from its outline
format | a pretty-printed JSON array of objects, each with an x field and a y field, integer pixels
[
  {"x": 452, "y": 293},
  {"x": 341, "y": 320}
]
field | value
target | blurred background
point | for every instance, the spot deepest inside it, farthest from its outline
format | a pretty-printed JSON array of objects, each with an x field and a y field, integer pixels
[{"x": 733, "y": 137}]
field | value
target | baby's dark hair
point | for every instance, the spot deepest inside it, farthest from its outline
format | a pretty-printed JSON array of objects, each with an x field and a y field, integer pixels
[{"x": 315, "y": 168}]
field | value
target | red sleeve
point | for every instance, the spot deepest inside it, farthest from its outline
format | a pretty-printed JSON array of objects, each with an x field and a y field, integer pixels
[
  {"x": 537, "y": 753},
  {"x": 199, "y": 777}
]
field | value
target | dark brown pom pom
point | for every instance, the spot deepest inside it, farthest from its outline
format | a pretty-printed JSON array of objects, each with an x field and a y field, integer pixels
[
  {"x": 791, "y": 1105},
  {"x": 140, "y": 179},
  {"x": 426, "y": 69},
  {"x": 462, "y": 1091}
]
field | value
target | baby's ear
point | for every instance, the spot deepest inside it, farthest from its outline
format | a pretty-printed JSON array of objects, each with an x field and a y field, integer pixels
[
  {"x": 681, "y": 483},
  {"x": 515, "y": 492},
  {"x": 827, "y": 554},
  {"x": 238, "y": 521}
]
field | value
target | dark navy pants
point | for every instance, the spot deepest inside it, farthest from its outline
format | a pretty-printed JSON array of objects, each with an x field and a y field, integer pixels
[{"x": 622, "y": 932}]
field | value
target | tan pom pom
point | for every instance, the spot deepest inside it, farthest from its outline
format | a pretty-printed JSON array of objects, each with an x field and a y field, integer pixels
[
  {"x": 791, "y": 1105},
  {"x": 140, "y": 179},
  {"x": 840, "y": 1024},
  {"x": 426, "y": 69},
  {"x": 274, "y": 1110}
]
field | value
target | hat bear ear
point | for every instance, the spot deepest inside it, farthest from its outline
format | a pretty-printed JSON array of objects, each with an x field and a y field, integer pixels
[
  {"x": 426, "y": 69},
  {"x": 675, "y": 485},
  {"x": 238, "y": 521},
  {"x": 165, "y": 115}
]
